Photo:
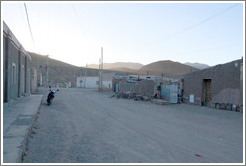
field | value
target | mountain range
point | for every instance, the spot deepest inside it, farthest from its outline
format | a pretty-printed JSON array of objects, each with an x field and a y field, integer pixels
[
  {"x": 61, "y": 72},
  {"x": 136, "y": 66},
  {"x": 197, "y": 65},
  {"x": 166, "y": 68},
  {"x": 117, "y": 65}
]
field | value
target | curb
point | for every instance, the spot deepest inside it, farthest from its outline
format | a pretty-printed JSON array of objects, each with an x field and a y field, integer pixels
[{"x": 24, "y": 144}]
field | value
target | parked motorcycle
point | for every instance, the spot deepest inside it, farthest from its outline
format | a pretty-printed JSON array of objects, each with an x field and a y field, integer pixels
[{"x": 51, "y": 96}]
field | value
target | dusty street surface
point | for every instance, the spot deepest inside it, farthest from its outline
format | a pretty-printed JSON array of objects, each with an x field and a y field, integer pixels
[{"x": 87, "y": 126}]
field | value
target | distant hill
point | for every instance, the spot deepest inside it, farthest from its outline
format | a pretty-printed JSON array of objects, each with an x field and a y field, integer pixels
[
  {"x": 118, "y": 65},
  {"x": 126, "y": 70},
  {"x": 60, "y": 72},
  {"x": 166, "y": 68},
  {"x": 197, "y": 65}
]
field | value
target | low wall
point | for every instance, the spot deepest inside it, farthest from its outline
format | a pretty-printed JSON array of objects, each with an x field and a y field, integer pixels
[{"x": 143, "y": 88}]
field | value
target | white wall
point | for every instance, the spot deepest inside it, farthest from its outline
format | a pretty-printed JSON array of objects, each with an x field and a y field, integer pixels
[
  {"x": 87, "y": 82},
  {"x": 107, "y": 84}
]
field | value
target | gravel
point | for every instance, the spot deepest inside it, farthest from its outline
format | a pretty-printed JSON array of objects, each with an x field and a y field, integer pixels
[{"x": 85, "y": 126}]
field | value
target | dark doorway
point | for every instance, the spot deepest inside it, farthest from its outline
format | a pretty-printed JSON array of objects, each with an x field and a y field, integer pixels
[{"x": 207, "y": 91}]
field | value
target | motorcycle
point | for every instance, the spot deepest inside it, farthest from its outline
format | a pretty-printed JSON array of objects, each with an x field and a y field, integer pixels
[{"x": 51, "y": 96}]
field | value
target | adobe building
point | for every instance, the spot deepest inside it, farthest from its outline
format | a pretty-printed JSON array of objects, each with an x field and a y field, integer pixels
[
  {"x": 16, "y": 67},
  {"x": 34, "y": 80},
  {"x": 220, "y": 86}
]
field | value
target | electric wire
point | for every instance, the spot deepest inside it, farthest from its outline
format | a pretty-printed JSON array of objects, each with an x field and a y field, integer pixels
[
  {"x": 191, "y": 26},
  {"x": 28, "y": 21},
  {"x": 204, "y": 20},
  {"x": 80, "y": 21}
]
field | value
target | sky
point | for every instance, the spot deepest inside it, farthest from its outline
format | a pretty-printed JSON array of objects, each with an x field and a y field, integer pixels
[{"x": 74, "y": 32}]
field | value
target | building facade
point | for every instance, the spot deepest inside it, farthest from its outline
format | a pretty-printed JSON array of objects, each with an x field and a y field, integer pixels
[
  {"x": 34, "y": 80},
  {"x": 93, "y": 81},
  {"x": 16, "y": 67},
  {"x": 220, "y": 86},
  {"x": 87, "y": 82}
]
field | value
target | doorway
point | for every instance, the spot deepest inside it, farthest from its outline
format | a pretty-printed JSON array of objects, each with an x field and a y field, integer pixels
[{"x": 207, "y": 91}]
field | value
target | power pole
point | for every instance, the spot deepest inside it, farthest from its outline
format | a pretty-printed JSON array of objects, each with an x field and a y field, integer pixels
[
  {"x": 38, "y": 75},
  {"x": 81, "y": 78},
  {"x": 81, "y": 71},
  {"x": 102, "y": 69},
  {"x": 100, "y": 87},
  {"x": 85, "y": 75},
  {"x": 47, "y": 72},
  {"x": 99, "y": 69}
]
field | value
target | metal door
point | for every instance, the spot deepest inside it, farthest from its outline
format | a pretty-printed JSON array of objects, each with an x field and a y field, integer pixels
[
  {"x": 174, "y": 93},
  {"x": 170, "y": 93}
]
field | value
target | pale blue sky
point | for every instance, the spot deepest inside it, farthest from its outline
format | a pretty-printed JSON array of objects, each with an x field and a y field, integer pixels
[{"x": 210, "y": 33}]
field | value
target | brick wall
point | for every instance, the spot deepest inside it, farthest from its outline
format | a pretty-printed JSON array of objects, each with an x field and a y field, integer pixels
[
  {"x": 225, "y": 84},
  {"x": 144, "y": 87}
]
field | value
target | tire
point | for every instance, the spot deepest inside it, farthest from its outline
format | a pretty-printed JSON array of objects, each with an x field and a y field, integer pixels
[{"x": 48, "y": 101}]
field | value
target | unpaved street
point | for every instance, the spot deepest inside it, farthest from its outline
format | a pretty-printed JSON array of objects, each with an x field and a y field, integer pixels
[{"x": 84, "y": 126}]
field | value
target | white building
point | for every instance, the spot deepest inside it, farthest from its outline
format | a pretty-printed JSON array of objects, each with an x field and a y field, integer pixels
[
  {"x": 93, "y": 82},
  {"x": 87, "y": 82},
  {"x": 107, "y": 80}
]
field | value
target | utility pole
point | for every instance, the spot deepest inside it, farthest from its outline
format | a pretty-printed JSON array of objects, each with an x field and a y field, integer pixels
[
  {"x": 47, "y": 73},
  {"x": 102, "y": 69},
  {"x": 99, "y": 69},
  {"x": 100, "y": 87},
  {"x": 81, "y": 71},
  {"x": 38, "y": 75},
  {"x": 85, "y": 75}
]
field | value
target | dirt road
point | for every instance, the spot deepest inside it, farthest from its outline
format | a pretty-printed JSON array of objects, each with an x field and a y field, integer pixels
[{"x": 84, "y": 126}]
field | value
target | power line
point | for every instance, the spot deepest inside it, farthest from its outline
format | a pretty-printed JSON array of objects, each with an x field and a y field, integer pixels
[
  {"x": 206, "y": 19},
  {"x": 80, "y": 21},
  {"x": 192, "y": 26},
  {"x": 29, "y": 25},
  {"x": 75, "y": 11}
]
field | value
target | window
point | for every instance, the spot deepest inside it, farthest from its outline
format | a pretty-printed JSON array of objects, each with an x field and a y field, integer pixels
[{"x": 13, "y": 73}]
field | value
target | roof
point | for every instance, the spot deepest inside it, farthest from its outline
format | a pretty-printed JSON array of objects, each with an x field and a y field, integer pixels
[
  {"x": 10, "y": 35},
  {"x": 219, "y": 66}
]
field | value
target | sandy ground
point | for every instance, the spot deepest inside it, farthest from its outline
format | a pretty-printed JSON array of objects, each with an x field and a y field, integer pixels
[{"x": 84, "y": 126}]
